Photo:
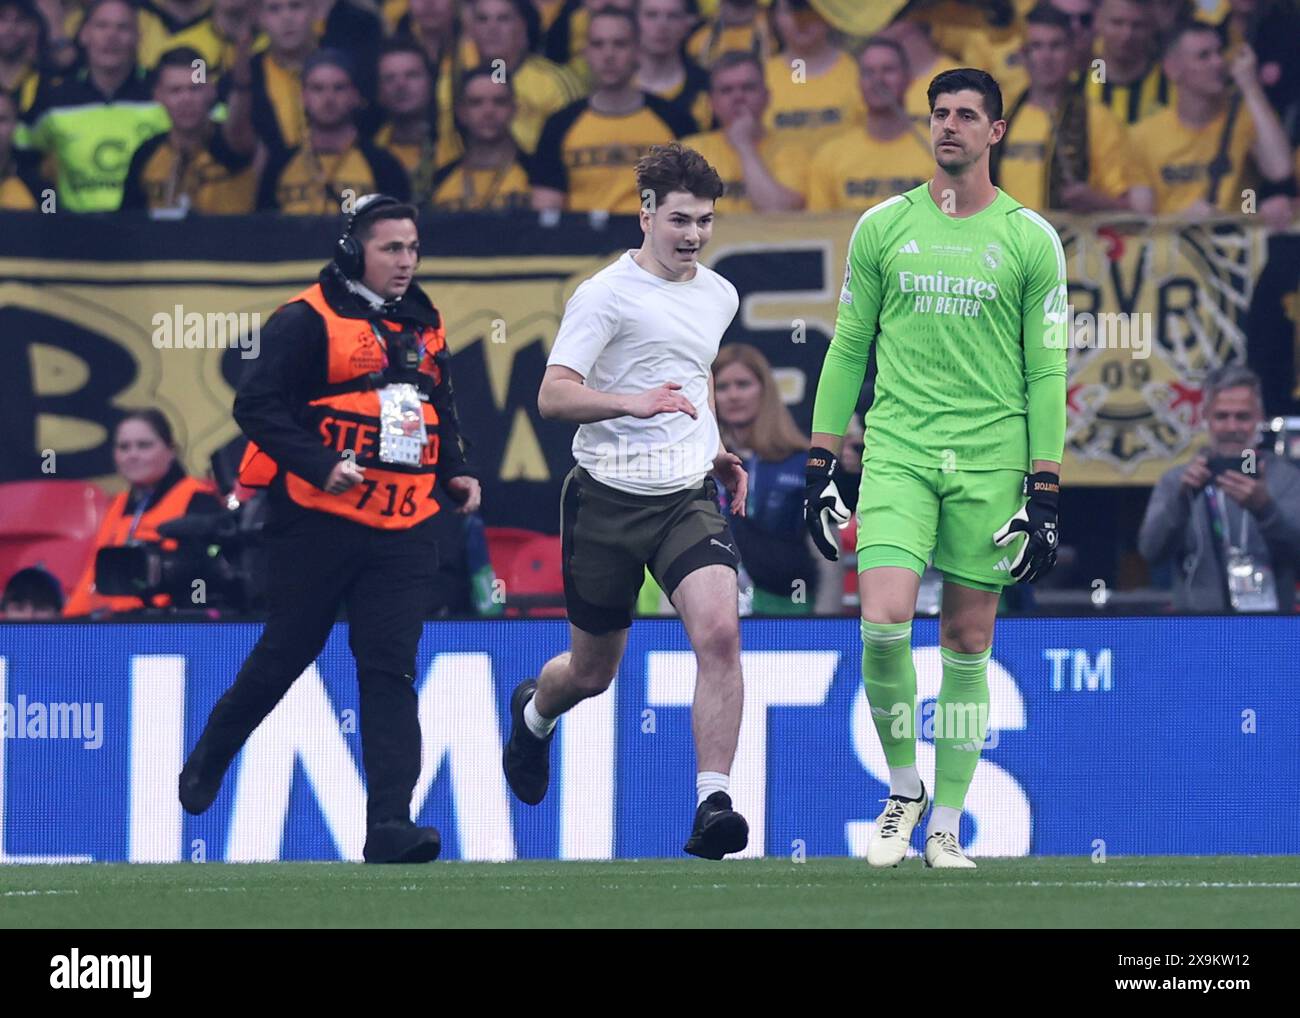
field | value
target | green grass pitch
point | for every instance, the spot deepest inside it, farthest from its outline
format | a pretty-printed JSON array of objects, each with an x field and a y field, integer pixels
[{"x": 1225, "y": 892}]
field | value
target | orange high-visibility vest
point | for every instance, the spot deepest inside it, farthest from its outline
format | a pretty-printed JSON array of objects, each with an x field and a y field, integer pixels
[
  {"x": 346, "y": 416},
  {"x": 115, "y": 531}
]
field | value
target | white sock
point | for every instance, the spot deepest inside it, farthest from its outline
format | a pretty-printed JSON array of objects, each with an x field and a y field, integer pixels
[
  {"x": 904, "y": 781},
  {"x": 944, "y": 818},
  {"x": 538, "y": 725},
  {"x": 708, "y": 782}
]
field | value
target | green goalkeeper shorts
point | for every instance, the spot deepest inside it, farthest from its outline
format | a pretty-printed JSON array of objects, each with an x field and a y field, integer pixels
[{"x": 906, "y": 514}]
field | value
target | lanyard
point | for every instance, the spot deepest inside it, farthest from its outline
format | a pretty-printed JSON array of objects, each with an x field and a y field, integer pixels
[
  {"x": 467, "y": 187},
  {"x": 1219, "y": 518},
  {"x": 380, "y": 338},
  {"x": 135, "y": 520},
  {"x": 177, "y": 185}
]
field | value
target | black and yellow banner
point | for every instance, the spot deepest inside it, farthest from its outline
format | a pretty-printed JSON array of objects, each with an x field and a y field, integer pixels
[{"x": 99, "y": 315}]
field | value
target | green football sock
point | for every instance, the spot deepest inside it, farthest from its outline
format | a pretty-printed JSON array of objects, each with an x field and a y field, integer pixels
[
  {"x": 960, "y": 723},
  {"x": 890, "y": 679}
]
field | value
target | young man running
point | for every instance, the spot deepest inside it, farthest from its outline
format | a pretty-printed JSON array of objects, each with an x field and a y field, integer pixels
[{"x": 631, "y": 366}]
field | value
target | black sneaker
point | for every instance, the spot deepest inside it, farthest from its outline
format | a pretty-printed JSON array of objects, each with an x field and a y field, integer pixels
[
  {"x": 397, "y": 841},
  {"x": 199, "y": 790},
  {"x": 526, "y": 759},
  {"x": 719, "y": 829}
]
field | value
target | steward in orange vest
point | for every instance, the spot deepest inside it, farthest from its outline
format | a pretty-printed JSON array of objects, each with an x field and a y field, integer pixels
[
  {"x": 134, "y": 517},
  {"x": 349, "y": 410},
  {"x": 339, "y": 357}
]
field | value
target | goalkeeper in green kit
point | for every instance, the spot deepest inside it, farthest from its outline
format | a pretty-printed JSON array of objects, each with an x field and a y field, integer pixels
[{"x": 962, "y": 289}]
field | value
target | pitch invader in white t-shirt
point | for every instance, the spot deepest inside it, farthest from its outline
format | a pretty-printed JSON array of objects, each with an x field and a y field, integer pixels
[{"x": 631, "y": 366}]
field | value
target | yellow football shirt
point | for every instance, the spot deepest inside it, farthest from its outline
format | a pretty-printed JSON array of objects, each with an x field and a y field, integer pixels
[
  {"x": 1027, "y": 152},
  {"x": 590, "y": 156},
  {"x": 541, "y": 87},
  {"x": 1130, "y": 103},
  {"x": 278, "y": 116},
  {"x": 447, "y": 80},
  {"x": 16, "y": 195},
  {"x": 692, "y": 96},
  {"x": 1175, "y": 159},
  {"x": 853, "y": 171},
  {"x": 1001, "y": 53},
  {"x": 304, "y": 183},
  {"x": 216, "y": 181},
  {"x": 814, "y": 107},
  {"x": 457, "y": 188},
  {"x": 712, "y": 39},
  {"x": 158, "y": 31},
  {"x": 21, "y": 185},
  {"x": 25, "y": 89},
  {"x": 785, "y": 157}
]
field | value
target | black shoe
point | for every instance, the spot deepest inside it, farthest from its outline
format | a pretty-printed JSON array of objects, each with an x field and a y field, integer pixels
[
  {"x": 198, "y": 790},
  {"x": 401, "y": 841},
  {"x": 526, "y": 759},
  {"x": 719, "y": 829}
]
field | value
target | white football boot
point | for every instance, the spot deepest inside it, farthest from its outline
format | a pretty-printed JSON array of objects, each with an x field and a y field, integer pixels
[
  {"x": 943, "y": 852},
  {"x": 894, "y": 828}
]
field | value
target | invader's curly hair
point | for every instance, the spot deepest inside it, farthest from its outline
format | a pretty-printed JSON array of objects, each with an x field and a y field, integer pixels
[{"x": 668, "y": 168}]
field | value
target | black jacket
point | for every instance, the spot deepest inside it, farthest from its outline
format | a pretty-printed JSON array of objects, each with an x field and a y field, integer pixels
[{"x": 292, "y": 367}]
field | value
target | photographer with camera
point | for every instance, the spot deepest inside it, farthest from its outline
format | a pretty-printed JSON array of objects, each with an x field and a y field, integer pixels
[
  {"x": 158, "y": 491},
  {"x": 1229, "y": 518},
  {"x": 353, "y": 427}
]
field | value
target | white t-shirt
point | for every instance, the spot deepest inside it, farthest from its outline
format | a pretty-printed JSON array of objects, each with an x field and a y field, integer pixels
[{"x": 625, "y": 330}]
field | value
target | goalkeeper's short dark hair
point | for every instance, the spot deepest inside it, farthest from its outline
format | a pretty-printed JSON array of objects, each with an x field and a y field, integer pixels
[
  {"x": 674, "y": 167},
  {"x": 972, "y": 78}
]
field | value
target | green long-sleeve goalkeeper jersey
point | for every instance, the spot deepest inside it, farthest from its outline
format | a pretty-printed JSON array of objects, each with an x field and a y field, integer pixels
[{"x": 969, "y": 316}]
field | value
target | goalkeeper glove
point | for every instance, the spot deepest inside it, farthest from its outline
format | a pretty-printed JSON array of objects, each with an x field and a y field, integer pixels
[
  {"x": 1037, "y": 521},
  {"x": 822, "y": 504}
]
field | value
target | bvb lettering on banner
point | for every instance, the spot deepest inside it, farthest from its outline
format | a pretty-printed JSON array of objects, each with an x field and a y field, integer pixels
[{"x": 1153, "y": 311}]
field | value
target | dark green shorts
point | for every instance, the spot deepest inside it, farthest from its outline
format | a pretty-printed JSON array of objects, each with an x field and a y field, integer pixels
[{"x": 610, "y": 537}]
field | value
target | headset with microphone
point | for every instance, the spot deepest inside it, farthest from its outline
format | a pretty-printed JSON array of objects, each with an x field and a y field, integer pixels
[{"x": 350, "y": 253}]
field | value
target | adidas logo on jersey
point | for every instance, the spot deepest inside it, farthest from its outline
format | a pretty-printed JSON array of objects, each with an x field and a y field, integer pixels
[
  {"x": 911, "y": 247},
  {"x": 1003, "y": 567}
]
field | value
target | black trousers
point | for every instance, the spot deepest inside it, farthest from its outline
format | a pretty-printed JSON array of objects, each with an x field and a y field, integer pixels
[{"x": 318, "y": 563}]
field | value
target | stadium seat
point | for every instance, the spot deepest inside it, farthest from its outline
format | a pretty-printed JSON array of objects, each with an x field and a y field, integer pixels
[
  {"x": 504, "y": 544},
  {"x": 849, "y": 548},
  {"x": 51, "y": 524},
  {"x": 529, "y": 564}
]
